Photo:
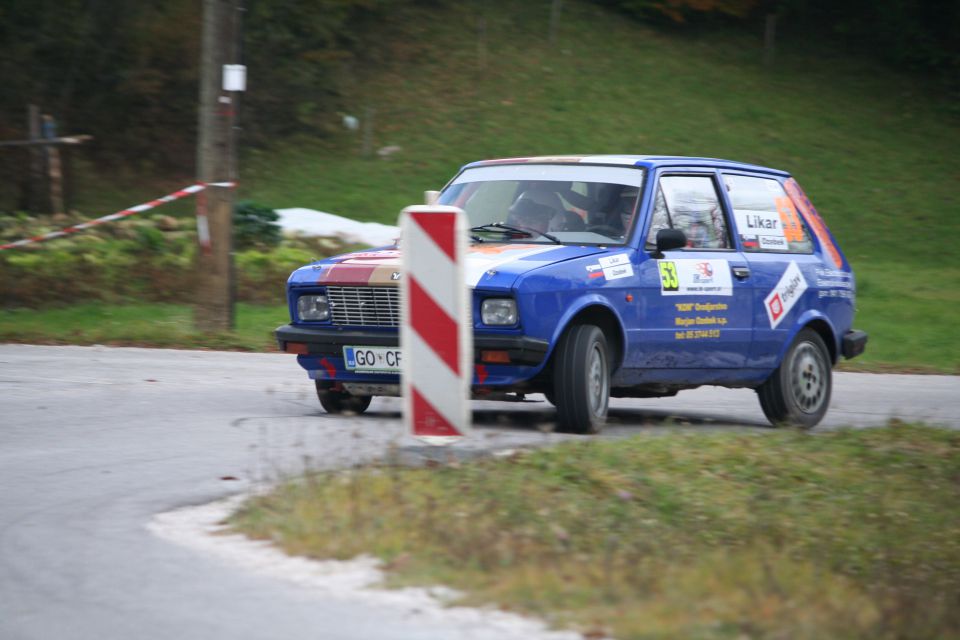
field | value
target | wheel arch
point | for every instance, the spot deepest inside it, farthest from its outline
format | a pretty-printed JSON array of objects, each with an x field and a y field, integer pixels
[
  {"x": 603, "y": 316},
  {"x": 825, "y": 331},
  {"x": 821, "y": 324}
]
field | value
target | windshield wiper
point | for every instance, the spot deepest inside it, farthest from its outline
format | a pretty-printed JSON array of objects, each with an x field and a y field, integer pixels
[{"x": 510, "y": 229}]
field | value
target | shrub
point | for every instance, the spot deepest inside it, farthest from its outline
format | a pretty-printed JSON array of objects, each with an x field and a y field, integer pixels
[{"x": 254, "y": 226}]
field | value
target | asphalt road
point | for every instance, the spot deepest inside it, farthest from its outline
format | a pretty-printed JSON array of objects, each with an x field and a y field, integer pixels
[{"x": 95, "y": 441}]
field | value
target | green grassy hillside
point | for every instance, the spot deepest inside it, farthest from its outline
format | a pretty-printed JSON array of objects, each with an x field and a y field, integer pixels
[{"x": 874, "y": 149}]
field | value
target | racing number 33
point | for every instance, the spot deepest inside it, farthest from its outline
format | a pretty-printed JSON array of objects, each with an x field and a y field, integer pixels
[{"x": 668, "y": 276}]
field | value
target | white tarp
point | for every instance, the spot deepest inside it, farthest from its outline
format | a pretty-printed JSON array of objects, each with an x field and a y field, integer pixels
[{"x": 318, "y": 223}]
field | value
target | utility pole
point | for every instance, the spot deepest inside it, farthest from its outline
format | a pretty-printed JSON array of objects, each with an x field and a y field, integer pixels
[
  {"x": 555, "y": 7},
  {"x": 216, "y": 163},
  {"x": 35, "y": 199},
  {"x": 772, "y": 8}
]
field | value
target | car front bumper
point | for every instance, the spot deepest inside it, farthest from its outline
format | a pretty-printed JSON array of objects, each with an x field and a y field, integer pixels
[{"x": 320, "y": 351}]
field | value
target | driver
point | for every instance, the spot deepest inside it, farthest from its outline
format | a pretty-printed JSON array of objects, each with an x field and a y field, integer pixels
[{"x": 525, "y": 213}]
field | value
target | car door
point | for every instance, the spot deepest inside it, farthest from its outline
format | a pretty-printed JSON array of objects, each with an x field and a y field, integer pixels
[
  {"x": 697, "y": 301},
  {"x": 780, "y": 254}
]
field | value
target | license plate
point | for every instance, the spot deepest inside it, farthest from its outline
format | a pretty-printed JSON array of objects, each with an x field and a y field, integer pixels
[{"x": 372, "y": 359}]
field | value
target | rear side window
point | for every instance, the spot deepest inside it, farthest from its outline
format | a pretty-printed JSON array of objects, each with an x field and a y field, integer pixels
[
  {"x": 766, "y": 217},
  {"x": 689, "y": 203}
]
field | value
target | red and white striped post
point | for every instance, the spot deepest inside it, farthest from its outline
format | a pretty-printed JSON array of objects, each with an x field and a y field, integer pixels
[{"x": 437, "y": 330}]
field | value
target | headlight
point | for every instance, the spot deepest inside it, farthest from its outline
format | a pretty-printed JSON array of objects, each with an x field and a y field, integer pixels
[
  {"x": 313, "y": 308},
  {"x": 499, "y": 311}
]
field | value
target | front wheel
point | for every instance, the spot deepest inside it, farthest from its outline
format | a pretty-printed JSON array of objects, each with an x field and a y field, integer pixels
[
  {"x": 797, "y": 393},
  {"x": 340, "y": 401},
  {"x": 581, "y": 380}
]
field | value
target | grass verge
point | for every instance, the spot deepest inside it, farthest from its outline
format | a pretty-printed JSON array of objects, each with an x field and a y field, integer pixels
[
  {"x": 152, "y": 325},
  {"x": 909, "y": 333},
  {"x": 849, "y": 534},
  {"x": 908, "y": 313}
]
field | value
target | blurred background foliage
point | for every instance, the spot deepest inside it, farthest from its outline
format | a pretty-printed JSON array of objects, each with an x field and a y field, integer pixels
[
  {"x": 126, "y": 72},
  {"x": 914, "y": 33}
]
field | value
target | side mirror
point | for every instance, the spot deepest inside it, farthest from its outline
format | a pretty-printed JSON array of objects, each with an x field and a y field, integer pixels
[{"x": 668, "y": 239}]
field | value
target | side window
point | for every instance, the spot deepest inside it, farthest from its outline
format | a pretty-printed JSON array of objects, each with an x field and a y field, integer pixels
[
  {"x": 660, "y": 219},
  {"x": 766, "y": 218},
  {"x": 690, "y": 203}
]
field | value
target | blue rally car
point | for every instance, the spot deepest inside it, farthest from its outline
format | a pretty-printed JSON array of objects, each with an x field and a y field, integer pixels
[{"x": 600, "y": 276}]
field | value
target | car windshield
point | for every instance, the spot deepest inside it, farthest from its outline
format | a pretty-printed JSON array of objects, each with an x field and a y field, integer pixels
[{"x": 548, "y": 203}]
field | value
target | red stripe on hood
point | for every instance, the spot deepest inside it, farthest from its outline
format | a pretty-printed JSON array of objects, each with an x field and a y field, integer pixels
[{"x": 347, "y": 274}]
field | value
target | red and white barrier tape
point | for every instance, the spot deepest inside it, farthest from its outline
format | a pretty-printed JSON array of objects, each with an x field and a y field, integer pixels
[{"x": 140, "y": 208}]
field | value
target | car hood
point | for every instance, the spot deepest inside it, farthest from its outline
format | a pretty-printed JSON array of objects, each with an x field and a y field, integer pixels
[{"x": 488, "y": 265}]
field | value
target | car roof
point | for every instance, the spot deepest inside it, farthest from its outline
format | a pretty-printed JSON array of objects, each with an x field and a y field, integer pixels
[{"x": 648, "y": 162}]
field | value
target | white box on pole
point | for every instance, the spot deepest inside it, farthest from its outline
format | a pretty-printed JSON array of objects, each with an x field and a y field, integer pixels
[{"x": 234, "y": 77}]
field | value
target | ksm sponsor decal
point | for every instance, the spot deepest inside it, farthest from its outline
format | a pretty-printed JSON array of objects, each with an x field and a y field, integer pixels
[
  {"x": 689, "y": 277},
  {"x": 785, "y": 295}
]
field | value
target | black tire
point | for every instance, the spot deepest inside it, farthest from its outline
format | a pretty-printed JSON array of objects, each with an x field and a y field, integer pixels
[
  {"x": 581, "y": 380},
  {"x": 340, "y": 401},
  {"x": 797, "y": 393}
]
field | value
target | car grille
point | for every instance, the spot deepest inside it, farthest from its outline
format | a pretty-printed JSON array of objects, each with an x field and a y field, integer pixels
[{"x": 365, "y": 306}]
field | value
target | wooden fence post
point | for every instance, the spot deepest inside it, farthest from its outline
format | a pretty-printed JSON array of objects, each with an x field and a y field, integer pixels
[
  {"x": 54, "y": 169},
  {"x": 36, "y": 180}
]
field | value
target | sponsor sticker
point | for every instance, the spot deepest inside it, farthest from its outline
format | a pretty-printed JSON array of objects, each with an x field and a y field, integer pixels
[
  {"x": 772, "y": 243},
  {"x": 759, "y": 222},
  {"x": 620, "y": 271},
  {"x": 834, "y": 278},
  {"x": 762, "y": 230},
  {"x": 834, "y": 283},
  {"x": 614, "y": 260},
  {"x": 785, "y": 295},
  {"x": 792, "y": 229},
  {"x": 690, "y": 277},
  {"x": 616, "y": 266}
]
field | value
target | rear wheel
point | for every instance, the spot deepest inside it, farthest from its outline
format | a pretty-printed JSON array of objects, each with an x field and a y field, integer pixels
[
  {"x": 581, "y": 380},
  {"x": 798, "y": 392},
  {"x": 340, "y": 401}
]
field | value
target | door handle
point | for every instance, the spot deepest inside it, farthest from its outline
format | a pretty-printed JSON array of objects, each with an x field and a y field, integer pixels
[{"x": 741, "y": 273}]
